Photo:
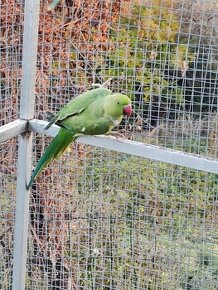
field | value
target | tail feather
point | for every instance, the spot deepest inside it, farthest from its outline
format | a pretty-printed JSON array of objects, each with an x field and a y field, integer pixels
[{"x": 54, "y": 150}]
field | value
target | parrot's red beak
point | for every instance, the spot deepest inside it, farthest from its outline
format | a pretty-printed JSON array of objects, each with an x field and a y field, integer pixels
[{"x": 127, "y": 110}]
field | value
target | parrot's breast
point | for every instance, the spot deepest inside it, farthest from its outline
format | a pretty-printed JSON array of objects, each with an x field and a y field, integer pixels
[{"x": 115, "y": 121}]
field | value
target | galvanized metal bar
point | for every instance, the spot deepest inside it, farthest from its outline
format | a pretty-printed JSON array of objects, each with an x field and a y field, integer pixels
[
  {"x": 38, "y": 126},
  {"x": 30, "y": 41},
  {"x": 22, "y": 211},
  {"x": 136, "y": 148},
  {"x": 31, "y": 21},
  {"x": 12, "y": 129}
]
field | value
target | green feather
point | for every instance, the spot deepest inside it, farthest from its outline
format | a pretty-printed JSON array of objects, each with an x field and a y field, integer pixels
[
  {"x": 78, "y": 105},
  {"x": 54, "y": 150},
  {"x": 94, "y": 112}
]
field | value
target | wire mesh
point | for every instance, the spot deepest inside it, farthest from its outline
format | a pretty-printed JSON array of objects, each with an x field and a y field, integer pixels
[
  {"x": 113, "y": 221},
  {"x": 11, "y": 53},
  {"x": 105, "y": 220},
  {"x": 8, "y": 157},
  {"x": 161, "y": 53},
  {"x": 11, "y": 28}
]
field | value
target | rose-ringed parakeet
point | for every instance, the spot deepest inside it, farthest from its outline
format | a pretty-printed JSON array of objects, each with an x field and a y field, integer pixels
[{"x": 94, "y": 112}]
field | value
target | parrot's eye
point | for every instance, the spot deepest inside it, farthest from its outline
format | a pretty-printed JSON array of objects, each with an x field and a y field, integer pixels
[{"x": 118, "y": 103}]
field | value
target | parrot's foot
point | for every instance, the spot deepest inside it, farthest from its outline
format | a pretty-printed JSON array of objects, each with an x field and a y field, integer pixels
[{"x": 117, "y": 134}]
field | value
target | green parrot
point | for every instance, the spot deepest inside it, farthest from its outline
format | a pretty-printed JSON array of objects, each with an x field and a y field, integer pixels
[{"x": 94, "y": 112}]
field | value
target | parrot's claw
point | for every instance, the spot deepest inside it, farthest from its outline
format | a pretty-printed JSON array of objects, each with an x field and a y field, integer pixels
[{"x": 117, "y": 134}]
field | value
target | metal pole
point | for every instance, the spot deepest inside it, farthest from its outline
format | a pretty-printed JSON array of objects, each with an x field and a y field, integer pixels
[
  {"x": 12, "y": 129},
  {"x": 153, "y": 152},
  {"x": 30, "y": 38}
]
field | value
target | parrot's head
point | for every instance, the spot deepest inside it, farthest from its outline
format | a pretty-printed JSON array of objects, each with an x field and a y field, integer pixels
[{"x": 118, "y": 105}]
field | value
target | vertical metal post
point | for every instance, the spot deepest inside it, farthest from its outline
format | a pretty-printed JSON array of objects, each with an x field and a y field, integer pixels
[{"x": 30, "y": 39}]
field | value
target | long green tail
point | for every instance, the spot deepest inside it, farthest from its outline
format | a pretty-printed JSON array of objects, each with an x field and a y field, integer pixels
[{"x": 54, "y": 150}]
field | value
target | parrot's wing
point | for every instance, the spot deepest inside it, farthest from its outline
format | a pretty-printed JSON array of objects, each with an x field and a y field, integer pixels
[{"x": 79, "y": 104}]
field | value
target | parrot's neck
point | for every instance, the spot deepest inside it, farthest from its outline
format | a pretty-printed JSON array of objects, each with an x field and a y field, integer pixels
[{"x": 116, "y": 121}]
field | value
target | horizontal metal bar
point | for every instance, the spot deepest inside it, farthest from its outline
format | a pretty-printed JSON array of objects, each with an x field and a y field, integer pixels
[
  {"x": 12, "y": 129},
  {"x": 136, "y": 148},
  {"x": 38, "y": 126}
]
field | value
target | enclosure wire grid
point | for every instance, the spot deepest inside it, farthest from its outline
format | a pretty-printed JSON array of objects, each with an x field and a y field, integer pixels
[
  {"x": 8, "y": 170},
  {"x": 11, "y": 56},
  {"x": 11, "y": 27},
  {"x": 100, "y": 219}
]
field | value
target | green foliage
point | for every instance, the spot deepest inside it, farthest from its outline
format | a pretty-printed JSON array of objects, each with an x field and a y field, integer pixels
[
  {"x": 143, "y": 46},
  {"x": 144, "y": 224}
]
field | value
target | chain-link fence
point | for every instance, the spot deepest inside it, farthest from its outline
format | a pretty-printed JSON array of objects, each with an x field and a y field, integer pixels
[{"x": 135, "y": 211}]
